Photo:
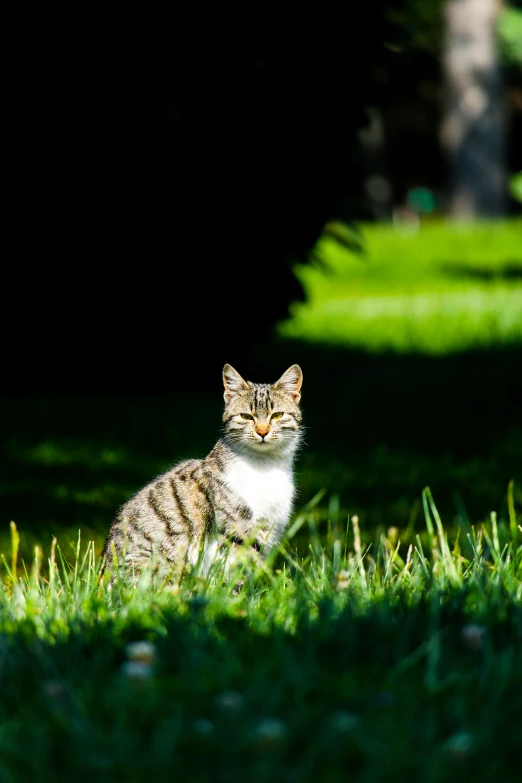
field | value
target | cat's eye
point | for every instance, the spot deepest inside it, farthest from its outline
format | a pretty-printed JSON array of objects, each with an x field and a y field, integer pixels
[
  {"x": 246, "y": 416},
  {"x": 276, "y": 415}
]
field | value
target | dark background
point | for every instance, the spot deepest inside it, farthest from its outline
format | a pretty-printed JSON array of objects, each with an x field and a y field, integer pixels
[{"x": 161, "y": 178}]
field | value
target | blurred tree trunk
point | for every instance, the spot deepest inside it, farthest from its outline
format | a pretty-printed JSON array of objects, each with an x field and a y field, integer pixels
[{"x": 473, "y": 127}]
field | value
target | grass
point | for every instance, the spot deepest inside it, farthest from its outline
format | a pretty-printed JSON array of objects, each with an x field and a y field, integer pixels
[
  {"x": 363, "y": 658},
  {"x": 443, "y": 289},
  {"x": 383, "y": 640}
]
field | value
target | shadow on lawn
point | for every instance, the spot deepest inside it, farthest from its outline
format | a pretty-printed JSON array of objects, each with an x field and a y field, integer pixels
[
  {"x": 379, "y": 429},
  {"x": 509, "y": 272}
]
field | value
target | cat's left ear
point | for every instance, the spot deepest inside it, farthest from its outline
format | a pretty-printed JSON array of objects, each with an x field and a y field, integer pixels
[
  {"x": 291, "y": 382},
  {"x": 233, "y": 382}
]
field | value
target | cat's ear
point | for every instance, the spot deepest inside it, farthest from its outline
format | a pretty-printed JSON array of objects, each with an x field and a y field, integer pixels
[
  {"x": 291, "y": 382},
  {"x": 233, "y": 382}
]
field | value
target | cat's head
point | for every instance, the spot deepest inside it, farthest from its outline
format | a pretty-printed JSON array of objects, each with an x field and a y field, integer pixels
[{"x": 263, "y": 417}]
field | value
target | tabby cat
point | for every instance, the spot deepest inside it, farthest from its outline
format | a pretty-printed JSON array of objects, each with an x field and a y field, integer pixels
[{"x": 241, "y": 493}]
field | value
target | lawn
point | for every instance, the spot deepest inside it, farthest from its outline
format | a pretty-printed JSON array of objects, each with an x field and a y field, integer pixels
[
  {"x": 439, "y": 290},
  {"x": 384, "y": 638},
  {"x": 351, "y": 662}
]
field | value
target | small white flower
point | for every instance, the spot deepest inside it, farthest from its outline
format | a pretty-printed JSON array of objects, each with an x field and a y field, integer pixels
[
  {"x": 230, "y": 701},
  {"x": 144, "y": 652},
  {"x": 269, "y": 732},
  {"x": 137, "y": 671},
  {"x": 473, "y": 636},
  {"x": 203, "y": 727},
  {"x": 53, "y": 689},
  {"x": 459, "y": 746}
]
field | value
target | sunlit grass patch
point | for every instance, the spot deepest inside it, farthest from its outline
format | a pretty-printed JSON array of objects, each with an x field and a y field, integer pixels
[
  {"x": 431, "y": 323},
  {"x": 444, "y": 289}
]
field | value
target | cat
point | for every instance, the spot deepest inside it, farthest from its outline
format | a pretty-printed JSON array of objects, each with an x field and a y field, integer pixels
[{"x": 240, "y": 494}]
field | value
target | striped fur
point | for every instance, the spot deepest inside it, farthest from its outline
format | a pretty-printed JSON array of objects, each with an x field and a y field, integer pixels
[{"x": 242, "y": 492}]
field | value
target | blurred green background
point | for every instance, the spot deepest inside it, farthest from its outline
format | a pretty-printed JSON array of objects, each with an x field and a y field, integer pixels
[{"x": 412, "y": 361}]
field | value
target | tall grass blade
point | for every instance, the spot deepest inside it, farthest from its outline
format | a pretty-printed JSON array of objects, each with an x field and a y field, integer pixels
[{"x": 15, "y": 543}]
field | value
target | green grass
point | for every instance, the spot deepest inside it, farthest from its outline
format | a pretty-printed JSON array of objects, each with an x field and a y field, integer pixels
[
  {"x": 392, "y": 652},
  {"x": 443, "y": 289},
  {"x": 365, "y": 658}
]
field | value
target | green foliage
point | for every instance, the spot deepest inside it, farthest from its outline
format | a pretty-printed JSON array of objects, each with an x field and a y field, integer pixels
[
  {"x": 387, "y": 659},
  {"x": 419, "y": 25},
  {"x": 509, "y": 30},
  {"x": 515, "y": 186}
]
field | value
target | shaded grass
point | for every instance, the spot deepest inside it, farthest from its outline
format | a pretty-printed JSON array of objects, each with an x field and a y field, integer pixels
[
  {"x": 378, "y": 429},
  {"x": 384, "y": 430},
  {"x": 69, "y": 461}
]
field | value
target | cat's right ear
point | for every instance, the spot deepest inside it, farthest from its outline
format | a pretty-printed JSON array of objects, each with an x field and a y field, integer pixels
[
  {"x": 291, "y": 382},
  {"x": 233, "y": 382}
]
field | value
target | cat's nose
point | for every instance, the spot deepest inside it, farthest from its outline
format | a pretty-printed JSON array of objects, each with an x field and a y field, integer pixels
[{"x": 262, "y": 431}]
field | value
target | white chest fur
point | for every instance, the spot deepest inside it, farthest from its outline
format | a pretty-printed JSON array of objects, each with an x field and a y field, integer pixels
[{"x": 266, "y": 489}]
